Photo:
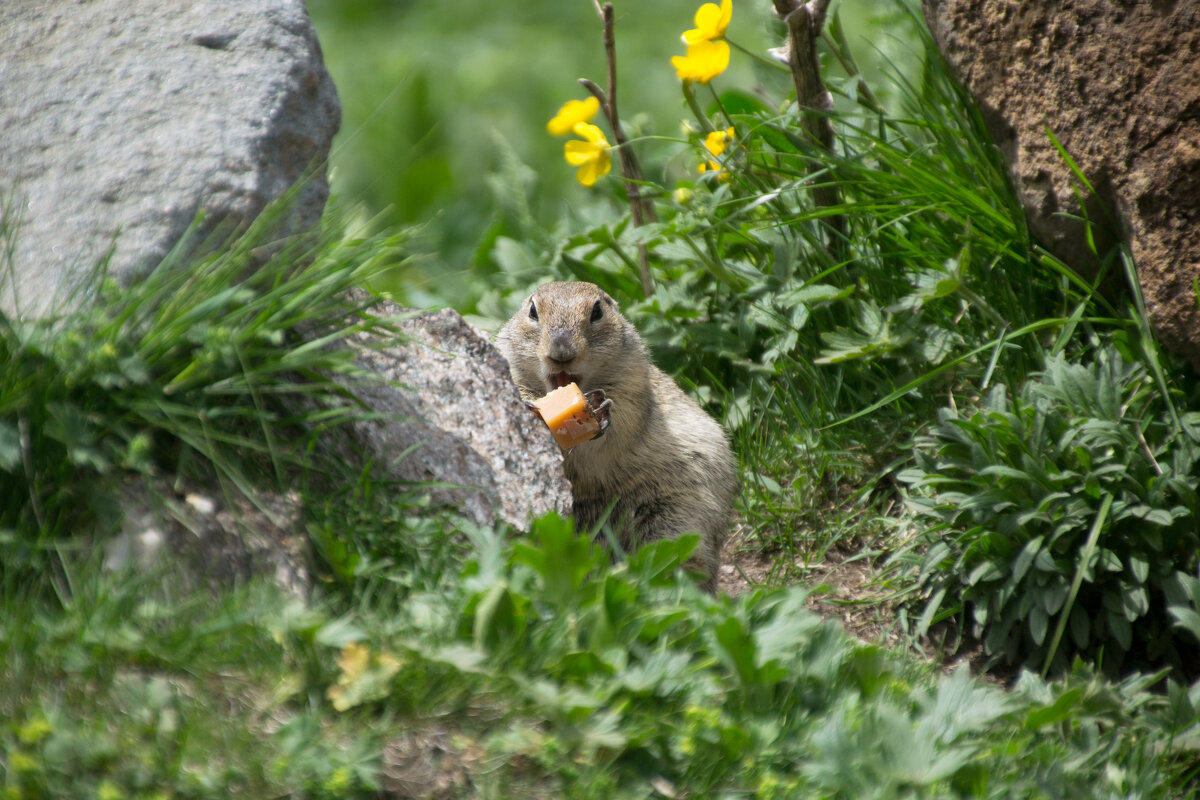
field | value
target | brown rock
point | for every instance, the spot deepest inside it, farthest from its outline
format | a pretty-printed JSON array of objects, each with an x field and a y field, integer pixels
[{"x": 1119, "y": 85}]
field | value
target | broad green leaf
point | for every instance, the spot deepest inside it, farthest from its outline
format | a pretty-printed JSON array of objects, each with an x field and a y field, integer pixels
[
  {"x": 1038, "y": 624},
  {"x": 816, "y": 293},
  {"x": 1110, "y": 561},
  {"x": 1135, "y": 601},
  {"x": 1186, "y": 619},
  {"x": 1063, "y": 707},
  {"x": 931, "y": 609},
  {"x": 1025, "y": 558},
  {"x": 338, "y": 633},
  {"x": 1081, "y": 627},
  {"x": 1138, "y": 567},
  {"x": 986, "y": 571},
  {"x": 1007, "y": 472},
  {"x": 1120, "y": 629},
  {"x": 1054, "y": 596},
  {"x": 737, "y": 645},
  {"x": 10, "y": 447}
]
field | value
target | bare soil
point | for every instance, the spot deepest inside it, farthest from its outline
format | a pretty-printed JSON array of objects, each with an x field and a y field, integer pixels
[{"x": 843, "y": 586}]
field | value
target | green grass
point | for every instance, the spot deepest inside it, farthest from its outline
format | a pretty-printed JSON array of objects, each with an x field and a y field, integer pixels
[{"x": 488, "y": 662}]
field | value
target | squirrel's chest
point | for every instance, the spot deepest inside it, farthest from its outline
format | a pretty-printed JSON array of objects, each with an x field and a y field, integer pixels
[{"x": 595, "y": 467}]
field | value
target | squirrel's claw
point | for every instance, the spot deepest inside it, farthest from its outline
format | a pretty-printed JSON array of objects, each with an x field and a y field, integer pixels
[{"x": 599, "y": 405}]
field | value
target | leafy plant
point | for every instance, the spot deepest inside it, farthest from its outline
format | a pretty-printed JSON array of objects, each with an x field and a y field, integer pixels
[
  {"x": 221, "y": 366},
  {"x": 793, "y": 331},
  {"x": 599, "y": 681},
  {"x": 1068, "y": 508}
]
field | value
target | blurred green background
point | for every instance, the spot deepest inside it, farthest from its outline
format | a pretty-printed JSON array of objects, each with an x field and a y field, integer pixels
[{"x": 445, "y": 105}]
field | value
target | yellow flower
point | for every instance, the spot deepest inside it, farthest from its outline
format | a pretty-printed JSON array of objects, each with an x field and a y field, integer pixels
[
  {"x": 711, "y": 22},
  {"x": 590, "y": 156},
  {"x": 354, "y": 660},
  {"x": 704, "y": 61},
  {"x": 573, "y": 112},
  {"x": 715, "y": 143}
]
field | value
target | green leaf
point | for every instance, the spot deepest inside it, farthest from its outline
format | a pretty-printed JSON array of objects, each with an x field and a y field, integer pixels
[
  {"x": 816, "y": 293},
  {"x": 498, "y": 617},
  {"x": 1007, "y": 472},
  {"x": 1138, "y": 567},
  {"x": 931, "y": 609},
  {"x": 1110, "y": 561},
  {"x": 986, "y": 571},
  {"x": 338, "y": 633},
  {"x": 1158, "y": 516},
  {"x": 787, "y": 632},
  {"x": 1081, "y": 627},
  {"x": 1120, "y": 629},
  {"x": 736, "y": 101},
  {"x": 1054, "y": 596},
  {"x": 71, "y": 426},
  {"x": 1064, "y": 706},
  {"x": 1186, "y": 619},
  {"x": 1135, "y": 601},
  {"x": 10, "y": 447},
  {"x": 1025, "y": 558},
  {"x": 1038, "y": 624},
  {"x": 658, "y": 561},
  {"x": 561, "y": 556},
  {"x": 737, "y": 646}
]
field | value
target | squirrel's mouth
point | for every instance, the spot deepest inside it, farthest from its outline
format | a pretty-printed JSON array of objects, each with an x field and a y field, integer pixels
[{"x": 558, "y": 379}]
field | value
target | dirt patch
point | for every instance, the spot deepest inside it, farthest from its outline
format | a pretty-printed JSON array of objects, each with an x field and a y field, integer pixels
[
  {"x": 846, "y": 589},
  {"x": 843, "y": 586}
]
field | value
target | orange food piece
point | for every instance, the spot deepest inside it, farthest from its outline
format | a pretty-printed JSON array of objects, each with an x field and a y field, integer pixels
[{"x": 566, "y": 413}]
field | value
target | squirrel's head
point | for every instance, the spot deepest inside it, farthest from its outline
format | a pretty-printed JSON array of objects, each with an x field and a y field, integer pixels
[{"x": 569, "y": 332}]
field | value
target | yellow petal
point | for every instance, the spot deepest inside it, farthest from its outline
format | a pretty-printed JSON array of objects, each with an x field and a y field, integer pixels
[
  {"x": 594, "y": 169},
  {"x": 577, "y": 152},
  {"x": 710, "y": 21},
  {"x": 573, "y": 112},
  {"x": 592, "y": 134},
  {"x": 704, "y": 61},
  {"x": 715, "y": 142}
]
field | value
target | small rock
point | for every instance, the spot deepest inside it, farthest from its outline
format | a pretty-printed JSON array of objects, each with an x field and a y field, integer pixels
[
  {"x": 452, "y": 417},
  {"x": 214, "y": 546}
]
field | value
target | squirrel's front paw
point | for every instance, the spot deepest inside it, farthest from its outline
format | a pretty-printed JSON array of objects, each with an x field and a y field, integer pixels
[{"x": 599, "y": 405}]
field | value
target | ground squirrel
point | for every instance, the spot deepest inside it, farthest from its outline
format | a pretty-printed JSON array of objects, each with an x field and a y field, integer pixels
[{"x": 663, "y": 462}]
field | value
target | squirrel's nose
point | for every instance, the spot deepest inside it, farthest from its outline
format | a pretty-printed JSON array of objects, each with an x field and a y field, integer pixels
[{"x": 562, "y": 347}]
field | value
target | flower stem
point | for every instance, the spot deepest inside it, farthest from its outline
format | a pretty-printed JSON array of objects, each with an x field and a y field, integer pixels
[
  {"x": 689, "y": 95},
  {"x": 804, "y": 22},
  {"x": 767, "y": 62},
  {"x": 641, "y": 209},
  {"x": 720, "y": 106}
]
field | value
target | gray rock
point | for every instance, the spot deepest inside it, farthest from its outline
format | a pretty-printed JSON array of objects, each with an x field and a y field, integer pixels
[
  {"x": 213, "y": 541},
  {"x": 123, "y": 118},
  {"x": 450, "y": 414}
]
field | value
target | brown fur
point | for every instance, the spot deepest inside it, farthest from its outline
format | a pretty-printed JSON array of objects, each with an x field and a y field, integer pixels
[{"x": 663, "y": 461}]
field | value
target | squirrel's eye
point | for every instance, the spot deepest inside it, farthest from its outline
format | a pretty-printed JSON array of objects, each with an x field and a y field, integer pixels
[
  {"x": 532, "y": 311},
  {"x": 597, "y": 312}
]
